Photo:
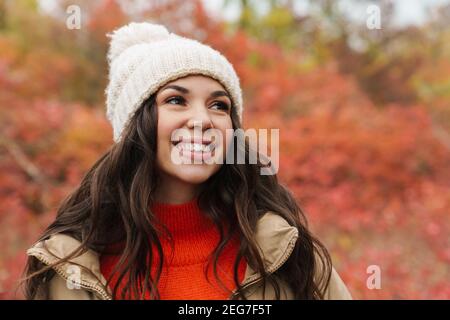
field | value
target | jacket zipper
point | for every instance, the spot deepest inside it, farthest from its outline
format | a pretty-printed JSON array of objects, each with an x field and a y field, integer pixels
[
  {"x": 256, "y": 278},
  {"x": 82, "y": 283}
]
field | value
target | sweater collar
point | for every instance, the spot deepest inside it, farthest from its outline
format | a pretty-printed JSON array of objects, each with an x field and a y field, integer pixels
[
  {"x": 193, "y": 234},
  {"x": 182, "y": 220}
]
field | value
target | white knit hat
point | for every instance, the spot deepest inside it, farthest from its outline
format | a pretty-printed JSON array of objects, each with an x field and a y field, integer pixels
[{"x": 143, "y": 57}]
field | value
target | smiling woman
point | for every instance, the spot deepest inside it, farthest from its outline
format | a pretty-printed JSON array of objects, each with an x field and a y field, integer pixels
[{"x": 141, "y": 226}]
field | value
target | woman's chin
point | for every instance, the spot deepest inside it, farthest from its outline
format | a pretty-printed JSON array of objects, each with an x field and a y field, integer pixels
[{"x": 195, "y": 174}]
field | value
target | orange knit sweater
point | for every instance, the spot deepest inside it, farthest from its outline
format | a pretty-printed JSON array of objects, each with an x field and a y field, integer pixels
[{"x": 194, "y": 238}]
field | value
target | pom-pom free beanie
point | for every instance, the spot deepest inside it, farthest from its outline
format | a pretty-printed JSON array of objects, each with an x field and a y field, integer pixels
[{"x": 143, "y": 57}]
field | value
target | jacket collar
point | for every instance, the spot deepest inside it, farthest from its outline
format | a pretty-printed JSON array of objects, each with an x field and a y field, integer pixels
[
  {"x": 274, "y": 236},
  {"x": 276, "y": 240}
]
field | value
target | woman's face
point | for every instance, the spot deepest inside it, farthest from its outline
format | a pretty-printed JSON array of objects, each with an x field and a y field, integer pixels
[{"x": 193, "y": 102}]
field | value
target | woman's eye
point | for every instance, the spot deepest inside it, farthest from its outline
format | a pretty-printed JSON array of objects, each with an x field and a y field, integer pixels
[
  {"x": 218, "y": 105},
  {"x": 221, "y": 106},
  {"x": 175, "y": 100}
]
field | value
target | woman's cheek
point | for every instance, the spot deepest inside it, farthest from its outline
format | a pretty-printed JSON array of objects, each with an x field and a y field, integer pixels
[{"x": 164, "y": 136}]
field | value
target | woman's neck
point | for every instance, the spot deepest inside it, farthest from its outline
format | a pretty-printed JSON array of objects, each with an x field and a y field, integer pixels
[{"x": 175, "y": 191}]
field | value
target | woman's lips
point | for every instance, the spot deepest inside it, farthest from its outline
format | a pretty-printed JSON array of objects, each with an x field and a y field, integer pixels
[{"x": 196, "y": 151}]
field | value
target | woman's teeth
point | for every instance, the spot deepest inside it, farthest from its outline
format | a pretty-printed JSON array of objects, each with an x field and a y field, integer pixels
[{"x": 196, "y": 147}]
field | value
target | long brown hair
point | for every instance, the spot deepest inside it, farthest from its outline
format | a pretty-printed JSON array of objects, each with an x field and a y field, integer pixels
[{"x": 109, "y": 208}]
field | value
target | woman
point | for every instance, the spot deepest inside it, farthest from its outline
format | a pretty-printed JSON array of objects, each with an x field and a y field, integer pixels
[{"x": 143, "y": 225}]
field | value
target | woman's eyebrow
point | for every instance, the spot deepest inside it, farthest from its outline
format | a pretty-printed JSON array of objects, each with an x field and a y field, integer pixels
[
  {"x": 220, "y": 93},
  {"x": 178, "y": 88},
  {"x": 215, "y": 94}
]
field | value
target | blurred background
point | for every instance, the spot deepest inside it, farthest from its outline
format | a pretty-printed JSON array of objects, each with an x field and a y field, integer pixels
[{"x": 363, "y": 107}]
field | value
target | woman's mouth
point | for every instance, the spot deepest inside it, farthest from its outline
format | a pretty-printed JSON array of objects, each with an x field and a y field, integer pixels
[{"x": 195, "y": 149}]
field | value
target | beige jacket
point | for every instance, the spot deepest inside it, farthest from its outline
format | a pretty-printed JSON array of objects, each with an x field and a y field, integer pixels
[{"x": 274, "y": 235}]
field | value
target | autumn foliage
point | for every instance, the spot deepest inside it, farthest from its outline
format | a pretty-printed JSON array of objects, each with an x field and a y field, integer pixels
[{"x": 364, "y": 135}]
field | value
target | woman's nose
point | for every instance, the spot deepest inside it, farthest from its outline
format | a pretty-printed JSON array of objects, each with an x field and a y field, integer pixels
[{"x": 199, "y": 117}]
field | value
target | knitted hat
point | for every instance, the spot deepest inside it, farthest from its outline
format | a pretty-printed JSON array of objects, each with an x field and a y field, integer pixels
[{"x": 143, "y": 57}]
